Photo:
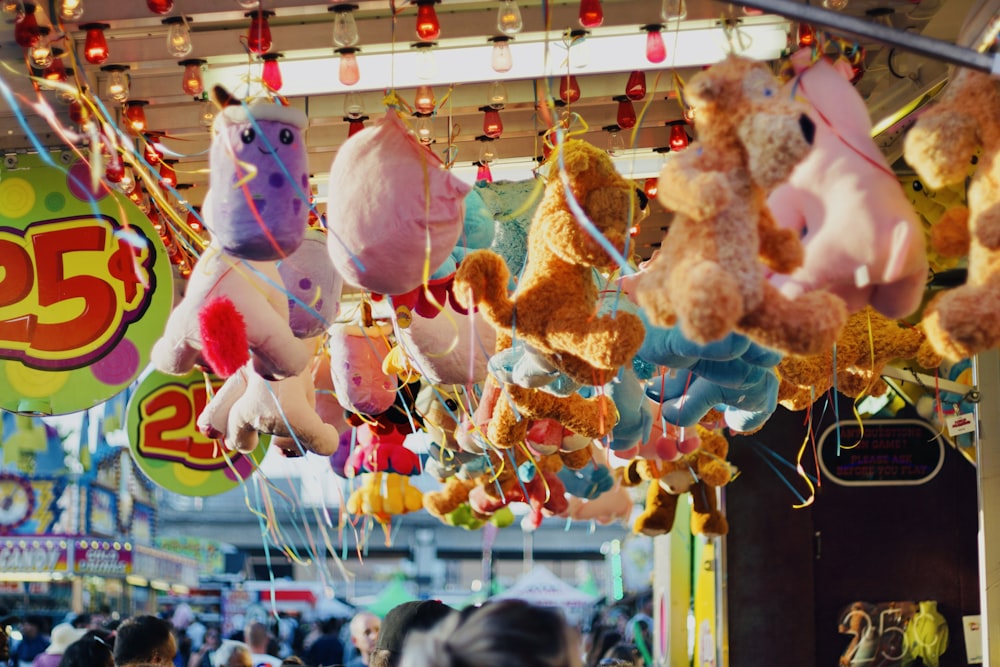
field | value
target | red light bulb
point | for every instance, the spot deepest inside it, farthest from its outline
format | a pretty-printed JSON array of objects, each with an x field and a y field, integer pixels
[
  {"x": 115, "y": 171},
  {"x": 591, "y": 13},
  {"x": 483, "y": 174},
  {"x": 807, "y": 36},
  {"x": 428, "y": 27},
  {"x": 167, "y": 174},
  {"x": 95, "y": 46},
  {"x": 635, "y": 89},
  {"x": 569, "y": 89},
  {"x": 56, "y": 71},
  {"x": 135, "y": 115},
  {"x": 272, "y": 72},
  {"x": 76, "y": 112},
  {"x": 492, "y": 125},
  {"x": 192, "y": 82},
  {"x": 152, "y": 153},
  {"x": 678, "y": 137},
  {"x": 626, "y": 113},
  {"x": 656, "y": 50},
  {"x": 259, "y": 33},
  {"x": 650, "y": 187},
  {"x": 26, "y": 32},
  {"x": 193, "y": 222},
  {"x": 355, "y": 125},
  {"x": 161, "y": 7}
]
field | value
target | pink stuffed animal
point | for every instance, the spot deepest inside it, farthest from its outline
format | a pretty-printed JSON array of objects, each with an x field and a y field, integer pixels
[{"x": 862, "y": 239}]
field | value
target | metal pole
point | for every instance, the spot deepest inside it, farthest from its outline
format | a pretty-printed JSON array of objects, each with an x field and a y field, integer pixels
[
  {"x": 987, "y": 378},
  {"x": 857, "y": 27}
]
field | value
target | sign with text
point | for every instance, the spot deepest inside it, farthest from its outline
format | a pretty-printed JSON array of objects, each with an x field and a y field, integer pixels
[
  {"x": 167, "y": 445},
  {"x": 34, "y": 555},
  {"x": 881, "y": 452},
  {"x": 85, "y": 289},
  {"x": 102, "y": 558}
]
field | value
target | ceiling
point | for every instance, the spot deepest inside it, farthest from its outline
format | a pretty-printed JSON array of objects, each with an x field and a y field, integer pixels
[{"x": 893, "y": 80}]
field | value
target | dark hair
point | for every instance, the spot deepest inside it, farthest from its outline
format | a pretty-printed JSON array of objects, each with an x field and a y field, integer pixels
[
  {"x": 625, "y": 653},
  {"x": 88, "y": 651},
  {"x": 498, "y": 634},
  {"x": 292, "y": 660},
  {"x": 144, "y": 639}
]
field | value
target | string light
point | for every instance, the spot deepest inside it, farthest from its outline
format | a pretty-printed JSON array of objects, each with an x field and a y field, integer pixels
[
  {"x": 191, "y": 82},
  {"x": 673, "y": 10},
  {"x": 483, "y": 173},
  {"x": 354, "y": 106},
  {"x": 259, "y": 32},
  {"x": 168, "y": 176},
  {"x": 271, "y": 74},
  {"x": 423, "y": 99},
  {"x": 56, "y": 69},
  {"x": 95, "y": 45},
  {"x": 578, "y": 46},
  {"x": 355, "y": 125},
  {"x": 178, "y": 36},
  {"x": 26, "y": 32},
  {"x": 206, "y": 115},
  {"x": 348, "y": 73},
  {"x": 428, "y": 26},
  {"x": 635, "y": 87},
  {"x": 492, "y": 125},
  {"x": 616, "y": 143},
  {"x": 426, "y": 66},
  {"x": 656, "y": 50},
  {"x": 487, "y": 149},
  {"x": 626, "y": 112},
  {"x": 117, "y": 86},
  {"x": 161, "y": 7},
  {"x": 569, "y": 89},
  {"x": 41, "y": 53},
  {"x": 345, "y": 28},
  {"x": 501, "y": 59},
  {"x": 424, "y": 128},
  {"x": 135, "y": 116},
  {"x": 497, "y": 97},
  {"x": 71, "y": 10},
  {"x": 679, "y": 138},
  {"x": 509, "y": 20},
  {"x": 591, "y": 13},
  {"x": 806, "y": 36}
]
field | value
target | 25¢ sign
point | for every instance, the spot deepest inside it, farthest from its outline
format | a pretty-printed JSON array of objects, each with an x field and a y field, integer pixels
[
  {"x": 85, "y": 290},
  {"x": 167, "y": 445}
]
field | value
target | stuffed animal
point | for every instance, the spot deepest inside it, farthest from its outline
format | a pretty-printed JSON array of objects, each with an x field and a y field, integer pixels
[
  {"x": 392, "y": 209},
  {"x": 709, "y": 275},
  {"x": 513, "y": 204},
  {"x": 384, "y": 495},
  {"x": 313, "y": 286},
  {"x": 861, "y": 236},
  {"x": 699, "y": 473},
  {"x": 733, "y": 375},
  {"x": 867, "y": 343},
  {"x": 235, "y": 304},
  {"x": 556, "y": 297},
  {"x": 965, "y": 320},
  {"x": 357, "y": 351}
]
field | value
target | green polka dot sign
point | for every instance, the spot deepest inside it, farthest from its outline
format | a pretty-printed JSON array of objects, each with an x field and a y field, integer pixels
[
  {"x": 167, "y": 445},
  {"x": 85, "y": 289}
]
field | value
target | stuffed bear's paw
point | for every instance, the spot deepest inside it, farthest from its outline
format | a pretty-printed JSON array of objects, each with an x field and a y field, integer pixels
[
  {"x": 939, "y": 147},
  {"x": 478, "y": 276}
]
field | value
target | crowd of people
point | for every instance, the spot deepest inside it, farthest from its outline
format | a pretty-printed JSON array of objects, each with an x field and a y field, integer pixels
[{"x": 428, "y": 633}]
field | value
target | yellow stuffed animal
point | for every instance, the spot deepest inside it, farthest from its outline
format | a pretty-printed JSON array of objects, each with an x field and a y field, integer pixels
[
  {"x": 867, "y": 343},
  {"x": 698, "y": 473},
  {"x": 710, "y": 272},
  {"x": 383, "y": 495},
  {"x": 965, "y": 320}
]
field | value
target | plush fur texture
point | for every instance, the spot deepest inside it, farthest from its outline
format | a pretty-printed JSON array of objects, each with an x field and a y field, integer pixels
[
  {"x": 965, "y": 320},
  {"x": 709, "y": 274},
  {"x": 223, "y": 336},
  {"x": 867, "y": 343},
  {"x": 698, "y": 473}
]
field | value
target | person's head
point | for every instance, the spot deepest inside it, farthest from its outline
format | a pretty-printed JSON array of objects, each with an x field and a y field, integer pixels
[
  {"x": 399, "y": 623},
  {"x": 621, "y": 655},
  {"x": 212, "y": 639},
  {"x": 62, "y": 636},
  {"x": 145, "y": 640},
  {"x": 88, "y": 651},
  {"x": 257, "y": 636},
  {"x": 498, "y": 634},
  {"x": 232, "y": 654},
  {"x": 80, "y": 621},
  {"x": 291, "y": 661},
  {"x": 364, "y": 633},
  {"x": 32, "y": 626}
]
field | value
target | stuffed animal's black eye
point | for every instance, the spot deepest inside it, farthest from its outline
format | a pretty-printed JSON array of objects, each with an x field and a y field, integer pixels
[
  {"x": 286, "y": 136},
  {"x": 451, "y": 404},
  {"x": 248, "y": 135}
]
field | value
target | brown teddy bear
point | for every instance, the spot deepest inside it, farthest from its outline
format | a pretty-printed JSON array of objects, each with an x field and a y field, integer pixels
[
  {"x": 554, "y": 308},
  {"x": 710, "y": 271},
  {"x": 966, "y": 319},
  {"x": 867, "y": 343},
  {"x": 698, "y": 473}
]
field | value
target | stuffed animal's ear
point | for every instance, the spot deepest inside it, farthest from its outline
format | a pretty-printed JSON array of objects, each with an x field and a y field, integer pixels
[
  {"x": 703, "y": 89},
  {"x": 224, "y": 98}
]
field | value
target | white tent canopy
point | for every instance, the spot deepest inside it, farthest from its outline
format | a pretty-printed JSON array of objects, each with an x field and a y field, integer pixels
[{"x": 543, "y": 588}]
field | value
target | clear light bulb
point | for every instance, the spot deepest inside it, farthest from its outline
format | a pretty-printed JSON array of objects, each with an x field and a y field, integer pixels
[
  {"x": 498, "y": 95},
  {"x": 579, "y": 48},
  {"x": 71, "y": 10},
  {"x": 345, "y": 28},
  {"x": 126, "y": 183},
  {"x": 487, "y": 151},
  {"x": 616, "y": 142},
  {"x": 178, "y": 36},
  {"x": 501, "y": 59},
  {"x": 248, "y": 4},
  {"x": 14, "y": 8},
  {"x": 509, "y": 20},
  {"x": 836, "y": 5},
  {"x": 426, "y": 63},
  {"x": 673, "y": 10},
  {"x": 117, "y": 86},
  {"x": 354, "y": 106},
  {"x": 206, "y": 115},
  {"x": 41, "y": 54},
  {"x": 424, "y": 128}
]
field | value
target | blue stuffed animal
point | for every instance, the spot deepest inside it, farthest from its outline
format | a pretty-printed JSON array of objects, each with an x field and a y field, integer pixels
[{"x": 732, "y": 375}]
